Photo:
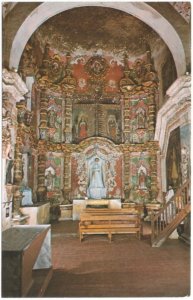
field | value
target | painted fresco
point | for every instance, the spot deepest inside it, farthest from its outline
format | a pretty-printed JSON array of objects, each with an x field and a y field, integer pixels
[
  {"x": 140, "y": 176},
  {"x": 101, "y": 120},
  {"x": 110, "y": 122},
  {"x": 173, "y": 159},
  {"x": 53, "y": 175},
  {"x": 85, "y": 68},
  {"x": 185, "y": 152},
  {"x": 80, "y": 74},
  {"x": 139, "y": 120},
  {"x": 54, "y": 113},
  {"x": 83, "y": 121}
]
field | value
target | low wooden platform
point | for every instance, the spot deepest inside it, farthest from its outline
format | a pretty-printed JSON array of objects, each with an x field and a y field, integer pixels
[{"x": 110, "y": 221}]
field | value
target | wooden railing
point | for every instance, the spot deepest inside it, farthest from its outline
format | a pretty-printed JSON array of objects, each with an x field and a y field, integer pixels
[{"x": 171, "y": 214}]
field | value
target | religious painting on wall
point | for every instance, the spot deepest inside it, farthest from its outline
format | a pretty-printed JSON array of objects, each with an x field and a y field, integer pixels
[
  {"x": 139, "y": 120},
  {"x": 140, "y": 177},
  {"x": 53, "y": 175},
  {"x": 173, "y": 159},
  {"x": 96, "y": 120},
  {"x": 185, "y": 132},
  {"x": 109, "y": 120},
  {"x": 54, "y": 115},
  {"x": 83, "y": 122}
]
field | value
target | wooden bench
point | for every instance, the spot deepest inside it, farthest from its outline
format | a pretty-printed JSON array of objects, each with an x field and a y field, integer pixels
[{"x": 110, "y": 221}]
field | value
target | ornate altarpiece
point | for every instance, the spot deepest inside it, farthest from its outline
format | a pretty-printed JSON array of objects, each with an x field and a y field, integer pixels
[{"x": 73, "y": 127}]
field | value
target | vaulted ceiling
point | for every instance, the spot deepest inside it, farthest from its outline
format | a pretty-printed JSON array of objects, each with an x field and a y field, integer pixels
[
  {"x": 100, "y": 30},
  {"x": 100, "y": 26}
]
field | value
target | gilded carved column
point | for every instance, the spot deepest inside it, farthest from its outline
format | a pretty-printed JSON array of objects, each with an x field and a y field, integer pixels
[
  {"x": 127, "y": 120},
  {"x": 152, "y": 117},
  {"x": 68, "y": 120},
  {"x": 43, "y": 116},
  {"x": 18, "y": 163},
  {"x": 154, "y": 171},
  {"x": 68, "y": 86},
  {"x": 18, "y": 166},
  {"x": 67, "y": 176},
  {"x": 126, "y": 173},
  {"x": 18, "y": 176},
  {"x": 126, "y": 85},
  {"x": 41, "y": 190}
]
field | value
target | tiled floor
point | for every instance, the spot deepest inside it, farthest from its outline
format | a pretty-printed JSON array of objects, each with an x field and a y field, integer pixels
[{"x": 127, "y": 267}]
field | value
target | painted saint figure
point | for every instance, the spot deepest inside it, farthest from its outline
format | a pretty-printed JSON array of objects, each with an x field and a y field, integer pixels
[
  {"x": 142, "y": 173},
  {"x": 112, "y": 127},
  {"x": 96, "y": 187},
  {"x": 82, "y": 130},
  {"x": 141, "y": 119},
  {"x": 51, "y": 118},
  {"x": 142, "y": 180},
  {"x": 49, "y": 181}
]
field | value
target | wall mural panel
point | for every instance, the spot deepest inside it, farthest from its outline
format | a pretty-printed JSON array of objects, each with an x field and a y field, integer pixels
[
  {"x": 185, "y": 134},
  {"x": 96, "y": 120},
  {"x": 83, "y": 121},
  {"x": 140, "y": 176},
  {"x": 109, "y": 118},
  {"x": 173, "y": 159},
  {"x": 54, "y": 117},
  {"x": 53, "y": 175},
  {"x": 139, "y": 120}
]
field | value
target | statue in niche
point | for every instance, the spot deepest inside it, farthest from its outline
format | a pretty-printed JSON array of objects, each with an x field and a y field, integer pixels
[
  {"x": 24, "y": 169},
  {"x": 42, "y": 133},
  {"x": 141, "y": 118},
  {"x": 82, "y": 128},
  {"x": 9, "y": 166},
  {"x": 27, "y": 197},
  {"x": 142, "y": 173},
  {"x": 96, "y": 185},
  {"x": 27, "y": 118},
  {"x": 112, "y": 127},
  {"x": 51, "y": 118},
  {"x": 49, "y": 179}
]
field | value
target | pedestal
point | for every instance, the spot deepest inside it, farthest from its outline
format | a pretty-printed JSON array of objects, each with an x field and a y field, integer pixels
[
  {"x": 95, "y": 203},
  {"x": 80, "y": 204},
  {"x": 37, "y": 214},
  {"x": 114, "y": 204},
  {"x": 23, "y": 248},
  {"x": 66, "y": 212}
]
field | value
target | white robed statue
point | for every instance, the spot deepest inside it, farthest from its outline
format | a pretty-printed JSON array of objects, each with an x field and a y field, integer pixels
[{"x": 96, "y": 186}]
